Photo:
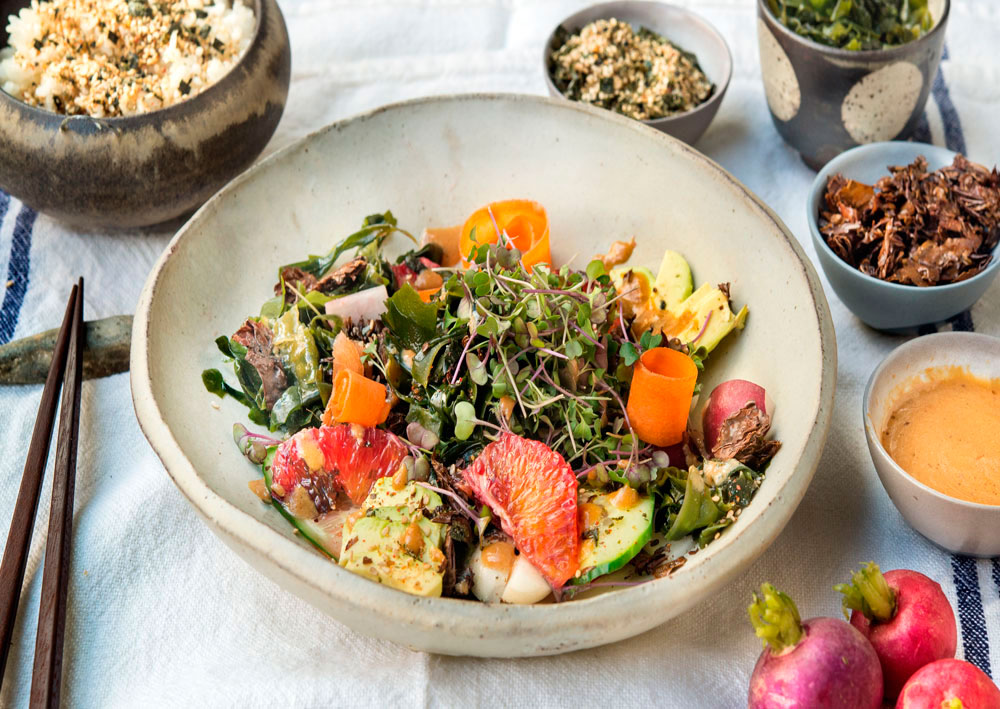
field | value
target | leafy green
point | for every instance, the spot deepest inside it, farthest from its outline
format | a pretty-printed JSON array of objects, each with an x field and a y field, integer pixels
[
  {"x": 855, "y": 24},
  {"x": 412, "y": 320}
]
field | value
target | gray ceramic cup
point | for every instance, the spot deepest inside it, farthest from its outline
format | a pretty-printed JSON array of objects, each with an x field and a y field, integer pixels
[
  {"x": 149, "y": 168},
  {"x": 825, "y": 100},
  {"x": 957, "y": 525},
  {"x": 687, "y": 30},
  {"x": 878, "y": 303}
]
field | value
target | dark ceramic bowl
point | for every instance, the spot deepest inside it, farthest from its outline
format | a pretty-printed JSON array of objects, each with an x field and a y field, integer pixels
[
  {"x": 687, "y": 30},
  {"x": 153, "y": 167},
  {"x": 883, "y": 305},
  {"x": 825, "y": 100}
]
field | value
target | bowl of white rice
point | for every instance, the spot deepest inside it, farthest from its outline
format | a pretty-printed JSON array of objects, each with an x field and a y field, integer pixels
[{"x": 127, "y": 113}]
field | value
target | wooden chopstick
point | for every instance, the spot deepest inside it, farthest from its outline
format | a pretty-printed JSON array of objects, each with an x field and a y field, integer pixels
[
  {"x": 46, "y": 677},
  {"x": 15, "y": 554}
]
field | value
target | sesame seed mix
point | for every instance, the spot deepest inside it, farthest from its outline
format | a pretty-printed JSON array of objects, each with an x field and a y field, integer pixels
[
  {"x": 107, "y": 58},
  {"x": 637, "y": 73}
]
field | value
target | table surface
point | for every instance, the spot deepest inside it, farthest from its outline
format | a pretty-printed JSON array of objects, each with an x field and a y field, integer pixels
[{"x": 163, "y": 614}]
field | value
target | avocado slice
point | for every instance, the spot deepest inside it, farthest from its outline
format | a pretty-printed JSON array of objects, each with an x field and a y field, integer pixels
[
  {"x": 673, "y": 282},
  {"x": 618, "y": 275},
  {"x": 412, "y": 495},
  {"x": 374, "y": 547},
  {"x": 621, "y": 534},
  {"x": 694, "y": 311}
]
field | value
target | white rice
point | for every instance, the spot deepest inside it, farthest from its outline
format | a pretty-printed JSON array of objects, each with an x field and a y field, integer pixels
[{"x": 108, "y": 58}]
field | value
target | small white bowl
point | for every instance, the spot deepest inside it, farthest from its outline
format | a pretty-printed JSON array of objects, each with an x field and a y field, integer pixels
[{"x": 956, "y": 525}]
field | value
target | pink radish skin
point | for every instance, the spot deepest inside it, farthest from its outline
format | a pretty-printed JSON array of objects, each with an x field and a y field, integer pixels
[
  {"x": 949, "y": 684},
  {"x": 725, "y": 400},
  {"x": 921, "y": 630},
  {"x": 823, "y": 663},
  {"x": 832, "y": 667}
]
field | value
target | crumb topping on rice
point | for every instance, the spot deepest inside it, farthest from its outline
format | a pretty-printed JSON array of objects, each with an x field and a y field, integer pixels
[
  {"x": 638, "y": 73},
  {"x": 107, "y": 58}
]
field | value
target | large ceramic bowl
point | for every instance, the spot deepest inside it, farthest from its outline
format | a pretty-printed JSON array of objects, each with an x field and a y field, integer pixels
[
  {"x": 149, "y": 168},
  {"x": 432, "y": 161},
  {"x": 881, "y": 304},
  {"x": 688, "y": 30},
  {"x": 825, "y": 100},
  {"x": 957, "y": 525}
]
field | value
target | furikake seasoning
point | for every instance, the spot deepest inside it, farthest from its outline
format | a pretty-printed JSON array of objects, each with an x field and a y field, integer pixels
[{"x": 635, "y": 72}]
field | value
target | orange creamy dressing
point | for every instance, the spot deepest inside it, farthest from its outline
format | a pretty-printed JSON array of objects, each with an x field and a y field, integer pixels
[{"x": 945, "y": 431}]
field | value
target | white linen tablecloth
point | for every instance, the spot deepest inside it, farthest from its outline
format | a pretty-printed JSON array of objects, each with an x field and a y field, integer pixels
[{"x": 163, "y": 614}]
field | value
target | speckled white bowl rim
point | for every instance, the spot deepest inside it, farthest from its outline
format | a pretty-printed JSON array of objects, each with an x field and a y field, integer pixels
[{"x": 505, "y": 630}]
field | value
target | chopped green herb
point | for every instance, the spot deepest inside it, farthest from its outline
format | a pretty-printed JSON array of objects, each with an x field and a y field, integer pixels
[{"x": 855, "y": 24}]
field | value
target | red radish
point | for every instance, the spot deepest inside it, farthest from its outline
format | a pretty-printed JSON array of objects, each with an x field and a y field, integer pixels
[
  {"x": 823, "y": 663},
  {"x": 905, "y": 616},
  {"x": 949, "y": 684},
  {"x": 725, "y": 400}
]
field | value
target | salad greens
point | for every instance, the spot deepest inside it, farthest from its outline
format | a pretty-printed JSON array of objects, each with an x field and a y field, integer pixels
[{"x": 544, "y": 353}]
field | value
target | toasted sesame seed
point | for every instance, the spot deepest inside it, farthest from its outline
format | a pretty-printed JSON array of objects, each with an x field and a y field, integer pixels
[{"x": 635, "y": 72}]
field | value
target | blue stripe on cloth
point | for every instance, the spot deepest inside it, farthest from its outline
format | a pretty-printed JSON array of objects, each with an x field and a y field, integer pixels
[
  {"x": 975, "y": 640},
  {"x": 962, "y": 322},
  {"x": 4, "y": 204},
  {"x": 954, "y": 138},
  {"x": 970, "y": 612},
  {"x": 17, "y": 273}
]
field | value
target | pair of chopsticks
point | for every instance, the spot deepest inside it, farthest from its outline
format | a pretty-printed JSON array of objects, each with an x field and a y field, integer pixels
[{"x": 66, "y": 372}]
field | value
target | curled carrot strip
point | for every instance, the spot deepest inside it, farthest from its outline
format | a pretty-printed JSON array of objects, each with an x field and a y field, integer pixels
[
  {"x": 524, "y": 221},
  {"x": 659, "y": 399},
  {"x": 427, "y": 294},
  {"x": 356, "y": 399},
  {"x": 346, "y": 354}
]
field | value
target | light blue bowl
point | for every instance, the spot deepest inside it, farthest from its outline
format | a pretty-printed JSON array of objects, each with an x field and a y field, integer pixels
[{"x": 878, "y": 303}]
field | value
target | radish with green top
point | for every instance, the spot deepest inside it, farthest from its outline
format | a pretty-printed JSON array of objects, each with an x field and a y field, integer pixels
[
  {"x": 822, "y": 663},
  {"x": 905, "y": 616},
  {"x": 949, "y": 684}
]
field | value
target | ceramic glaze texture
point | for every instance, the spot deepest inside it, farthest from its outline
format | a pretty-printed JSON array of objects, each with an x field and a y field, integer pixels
[
  {"x": 149, "y": 168},
  {"x": 847, "y": 98},
  {"x": 684, "y": 28},
  {"x": 956, "y": 525},
  {"x": 878, "y": 303},
  {"x": 601, "y": 177}
]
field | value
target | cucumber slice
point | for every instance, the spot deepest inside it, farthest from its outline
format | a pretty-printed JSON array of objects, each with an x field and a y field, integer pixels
[
  {"x": 621, "y": 534},
  {"x": 324, "y": 533}
]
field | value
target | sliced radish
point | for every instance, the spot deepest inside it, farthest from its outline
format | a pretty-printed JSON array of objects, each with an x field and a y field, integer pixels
[
  {"x": 526, "y": 583},
  {"x": 367, "y": 304}
]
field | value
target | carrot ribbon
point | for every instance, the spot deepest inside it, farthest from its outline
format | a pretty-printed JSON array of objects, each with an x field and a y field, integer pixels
[
  {"x": 356, "y": 399},
  {"x": 525, "y": 223},
  {"x": 660, "y": 396}
]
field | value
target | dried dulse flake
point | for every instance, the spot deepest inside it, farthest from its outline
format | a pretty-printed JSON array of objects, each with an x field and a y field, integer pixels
[{"x": 916, "y": 227}]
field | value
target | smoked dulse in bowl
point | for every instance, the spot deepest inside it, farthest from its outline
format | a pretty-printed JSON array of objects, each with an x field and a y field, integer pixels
[
  {"x": 882, "y": 304},
  {"x": 467, "y": 150},
  {"x": 147, "y": 168}
]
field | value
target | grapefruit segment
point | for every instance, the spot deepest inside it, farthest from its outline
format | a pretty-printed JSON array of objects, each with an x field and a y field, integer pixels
[
  {"x": 345, "y": 457},
  {"x": 532, "y": 490}
]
